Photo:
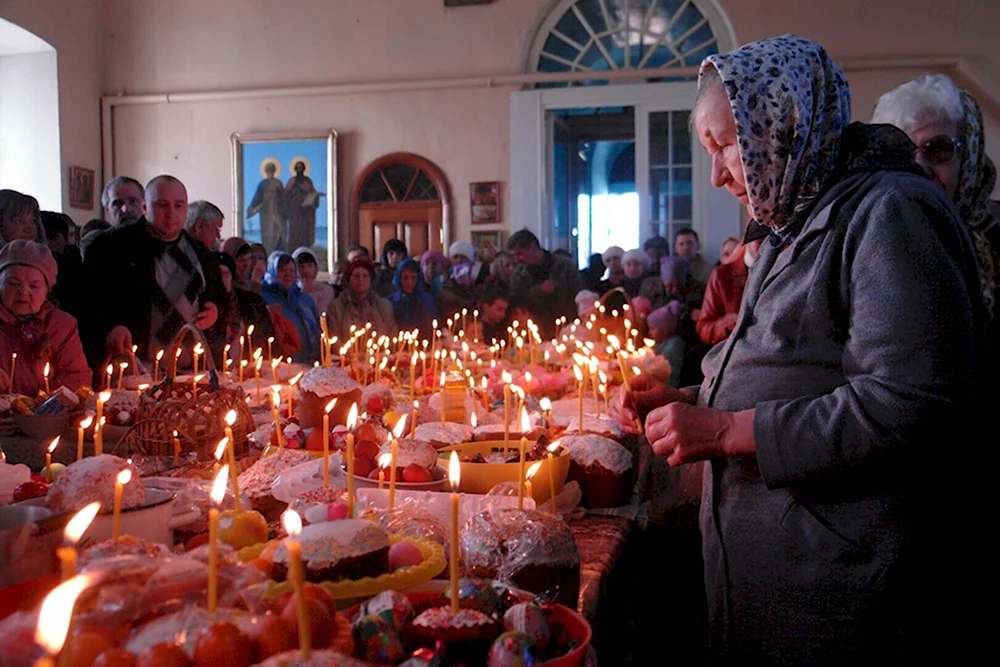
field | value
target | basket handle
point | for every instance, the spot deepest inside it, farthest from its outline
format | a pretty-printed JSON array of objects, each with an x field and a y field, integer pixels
[
  {"x": 607, "y": 295},
  {"x": 171, "y": 352}
]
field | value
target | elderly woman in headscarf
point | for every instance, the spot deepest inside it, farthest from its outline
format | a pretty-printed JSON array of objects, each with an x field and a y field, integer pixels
[
  {"x": 435, "y": 267},
  {"x": 32, "y": 328},
  {"x": 20, "y": 218},
  {"x": 359, "y": 305},
  {"x": 281, "y": 289},
  {"x": 242, "y": 253},
  {"x": 946, "y": 124},
  {"x": 853, "y": 360},
  {"x": 501, "y": 269},
  {"x": 412, "y": 307}
]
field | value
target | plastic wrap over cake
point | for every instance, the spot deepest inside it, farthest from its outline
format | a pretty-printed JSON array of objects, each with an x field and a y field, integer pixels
[
  {"x": 409, "y": 519},
  {"x": 530, "y": 549}
]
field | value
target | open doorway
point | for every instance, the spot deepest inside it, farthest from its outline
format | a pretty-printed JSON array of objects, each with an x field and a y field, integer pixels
[
  {"x": 594, "y": 198},
  {"x": 29, "y": 116}
]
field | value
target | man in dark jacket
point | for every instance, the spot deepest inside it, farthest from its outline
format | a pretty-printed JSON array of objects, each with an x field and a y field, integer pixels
[
  {"x": 147, "y": 279},
  {"x": 543, "y": 284}
]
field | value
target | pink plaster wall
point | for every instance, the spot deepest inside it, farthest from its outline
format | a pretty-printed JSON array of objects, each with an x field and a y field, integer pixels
[{"x": 159, "y": 46}]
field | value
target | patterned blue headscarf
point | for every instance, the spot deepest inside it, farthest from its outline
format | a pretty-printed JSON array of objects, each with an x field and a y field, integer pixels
[{"x": 791, "y": 104}]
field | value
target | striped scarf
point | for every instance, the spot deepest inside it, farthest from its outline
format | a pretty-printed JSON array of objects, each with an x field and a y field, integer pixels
[{"x": 179, "y": 282}]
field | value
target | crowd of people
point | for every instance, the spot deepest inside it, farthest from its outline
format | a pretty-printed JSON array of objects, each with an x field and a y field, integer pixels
[{"x": 813, "y": 370}]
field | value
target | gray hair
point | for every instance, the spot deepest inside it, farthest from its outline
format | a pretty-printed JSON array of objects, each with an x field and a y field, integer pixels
[
  {"x": 201, "y": 210},
  {"x": 925, "y": 99},
  {"x": 118, "y": 181},
  {"x": 708, "y": 79}
]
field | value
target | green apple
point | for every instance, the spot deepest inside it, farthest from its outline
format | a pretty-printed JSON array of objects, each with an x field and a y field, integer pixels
[{"x": 54, "y": 471}]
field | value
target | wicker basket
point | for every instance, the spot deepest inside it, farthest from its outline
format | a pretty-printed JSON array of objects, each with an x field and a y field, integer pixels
[{"x": 197, "y": 417}]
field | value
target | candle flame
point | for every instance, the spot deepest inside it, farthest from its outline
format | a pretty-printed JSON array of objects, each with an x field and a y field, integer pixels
[
  {"x": 80, "y": 522},
  {"x": 143, "y": 387},
  {"x": 250, "y": 330},
  {"x": 178, "y": 353},
  {"x": 270, "y": 339},
  {"x": 385, "y": 460},
  {"x": 291, "y": 383},
  {"x": 400, "y": 428},
  {"x": 55, "y": 443},
  {"x": 231, "y": 417},
  {"x": 221, "y": 448},
  {"x": 352, "y": 417},
  {"x": 104, "y": 396},
  {"x": 545, "y": 403},
  {"x": 329, "y": 406},
  {"x": 472, "y": 420},
  {"x": 292, "y": 523},
  {"x": 635, "y": 369},
  {"x": 527, "y": 376},
  {"x": 257, "y": 353},
  {"x": 554, "y": 447},
  {"x": 124, "y": 477},
  {"x": 578, "y": 373},
  {"x": 218, "y": 491},
  {"x": 525, "y": 421},
  {"x": 85, "y": 424},
  {"x": 57, "y": 611},
  {"x": 532, "y": 470},
  {"x": 275, "y": 395},
  {"x": 614, "y": 342},
  {"x": 454, "y": 472},
  {"x": 110, "y": 369},
  {"x": 45, "y": 372}
]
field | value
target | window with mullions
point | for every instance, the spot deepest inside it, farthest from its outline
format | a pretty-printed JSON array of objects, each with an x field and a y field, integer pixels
[{"x": 596, "y": 35}]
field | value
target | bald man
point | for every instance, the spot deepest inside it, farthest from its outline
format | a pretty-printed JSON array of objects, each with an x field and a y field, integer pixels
[{"x": 147, "y": 279}]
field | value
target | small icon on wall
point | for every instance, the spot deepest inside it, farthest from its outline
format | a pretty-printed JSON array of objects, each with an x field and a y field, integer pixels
[{"x": 81, "y": 188}]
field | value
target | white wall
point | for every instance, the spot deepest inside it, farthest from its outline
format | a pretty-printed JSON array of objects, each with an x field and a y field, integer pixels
[
  {"x": 29, "y": 127},
  {"x": 75, "y": 30}
]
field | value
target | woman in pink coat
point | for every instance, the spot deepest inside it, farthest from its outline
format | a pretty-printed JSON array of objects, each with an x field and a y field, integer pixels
[{"x": 32, "y": 328}]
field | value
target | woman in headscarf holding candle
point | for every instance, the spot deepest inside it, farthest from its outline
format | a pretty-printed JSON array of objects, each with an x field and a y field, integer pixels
[
  {"x": 281, "y": 289},
  {"x": 853, "y": 360}
]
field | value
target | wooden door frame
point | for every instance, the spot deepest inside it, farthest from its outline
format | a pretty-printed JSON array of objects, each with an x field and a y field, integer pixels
[{"x": 433, "y": 172}]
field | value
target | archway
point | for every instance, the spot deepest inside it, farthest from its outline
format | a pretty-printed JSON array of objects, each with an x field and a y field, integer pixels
[
  {"x": 30, "y": 161},
  {"x": 404, "y": 196}
]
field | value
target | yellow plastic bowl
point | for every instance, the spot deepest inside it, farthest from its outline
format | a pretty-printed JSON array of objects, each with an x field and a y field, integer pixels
[{"x": 481, "y": 477}]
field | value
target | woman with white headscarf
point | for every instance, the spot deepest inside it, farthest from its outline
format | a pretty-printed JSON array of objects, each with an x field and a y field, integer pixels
[{"x": 852, "y": 361}]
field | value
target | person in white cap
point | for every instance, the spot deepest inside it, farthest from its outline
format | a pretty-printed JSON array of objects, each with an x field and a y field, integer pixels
[
  {"x": 32, "y": 328},
  {"x": 465, "y": 267}
]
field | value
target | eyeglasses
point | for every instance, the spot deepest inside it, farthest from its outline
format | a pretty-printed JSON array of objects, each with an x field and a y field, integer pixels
[{"x": 939, "y": 150}]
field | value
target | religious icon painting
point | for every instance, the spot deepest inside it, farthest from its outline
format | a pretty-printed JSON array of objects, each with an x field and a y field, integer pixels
[
  {"x": 485, "y": 198},
  {"x": 81, "y": 188},
  {"x": 487, "y": 244},
  {"x": 285, "y": 191}
]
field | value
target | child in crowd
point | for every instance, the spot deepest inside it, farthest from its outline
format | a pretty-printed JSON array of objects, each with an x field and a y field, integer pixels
[
  {"x": 412, "y": 306},
  {"x": 662, "y": 327}
]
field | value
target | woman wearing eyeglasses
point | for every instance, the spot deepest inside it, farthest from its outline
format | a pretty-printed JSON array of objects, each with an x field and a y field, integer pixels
[{"x": 946, "y": 125}]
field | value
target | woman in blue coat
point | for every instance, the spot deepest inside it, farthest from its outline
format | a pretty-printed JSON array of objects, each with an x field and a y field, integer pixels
[
  {"x": 413, "y": 307},
  {"x": 280, "y": 288}
]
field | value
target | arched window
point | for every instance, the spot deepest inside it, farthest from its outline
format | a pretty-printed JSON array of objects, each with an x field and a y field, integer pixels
[{"x": 614, "y": 35}]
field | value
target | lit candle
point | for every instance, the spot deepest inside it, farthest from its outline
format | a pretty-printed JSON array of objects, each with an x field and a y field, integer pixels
[
  {"x": 528, "y": 491},
  {"x": 384, "y": 462},
  {"x": 75, "y": 529},
  {"x": 546, "y": 405},
  {"x": 45, "y": 373},
  {"x": 423, "y": 361},
  {"x": 48, "y": 459},
  {"x": 256, "y": 375},
  {"x": 397, "y": 432},
  {"x": 84, "y": 425},
  {"x": 231, "y": 449},
  {"x": 274, "y": 371},
  {"x": 413, "y": 420},
  {"x": 475, "y": 326},
  {"x": 293, "y": 526},
  {"x": 291, "y": 383},
  {"x": 13, "y": 364},
  {"x": 139, "y": 389},
  {"x": 579, "y": 379},
  {"x": 194, "y": 385},
  {"x": 506, "y": 377},
  {"x": 124, "y": 477},
  {"x": 553, "y": 448},
  {"x": 156, "y": 365},
  {"x": 110, "y": 371},
  {"x": 177, "y": 448},
  {"x": 465, "y": 312},
  {"x": 55, "y": 616},
  {"x": 275, "y": 402},
  {"x": 486, "y": 394},
  {"x": 249, "y": 340},
  {"x": 198, "y": 351},
  {"x": 525, "y": 428},
  {"x": 352, "y": 422},
  {"x": 454, "y": 478},
  {"x": 121, "y": 373},
  {"x": 270, "y": 341},
  {"x": 217, "y": 494},
  {"x": 413, "y": 376},
  {"x": 102, "y": 398},
  {"x": 434, "y": 337},
  {"x": 326, "y": 443},
  {"x": 220, "y": 451},
  {"x": 441, "y": 387},
  {"x": 323, "y": 338}
]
